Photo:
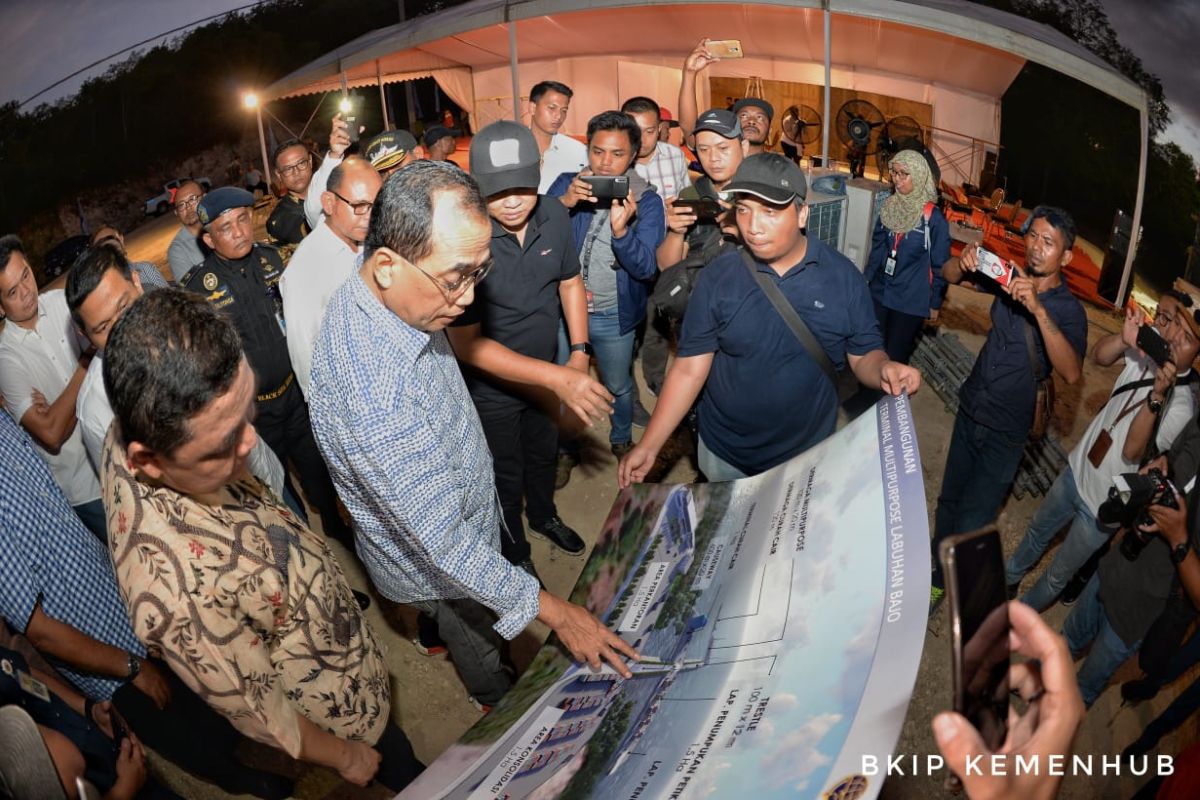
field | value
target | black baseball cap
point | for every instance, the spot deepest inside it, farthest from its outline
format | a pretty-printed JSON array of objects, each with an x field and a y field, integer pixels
[
  {"x": 389, "y": 148},
  {"x": 770, "y": 177},
  {"x": 436, "y": 133},
  {"x": 504, "y": 156},
  {"x": 719, "y": 121},
  {"x": 757, "y": 102}
]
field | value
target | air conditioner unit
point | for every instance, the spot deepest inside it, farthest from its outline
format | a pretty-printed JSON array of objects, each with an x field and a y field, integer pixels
[
  {"x": 827, "y": 219},
  {"x": 863, "y": 199}
]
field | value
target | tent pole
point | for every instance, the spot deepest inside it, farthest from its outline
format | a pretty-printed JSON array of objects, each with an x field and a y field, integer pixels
[
  {"x": 512, "y": 67},
  {"x": 1136, "y": 222},
  {"x": 387, "y": 125},
  {"x": 828, "y": 100}
]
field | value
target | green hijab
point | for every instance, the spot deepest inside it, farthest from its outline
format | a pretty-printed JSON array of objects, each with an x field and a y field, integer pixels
[{"x": 901, "y": 213}]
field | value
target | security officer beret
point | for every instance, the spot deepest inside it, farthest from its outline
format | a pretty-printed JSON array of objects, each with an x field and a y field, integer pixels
[{"x": 218, "y": 201}]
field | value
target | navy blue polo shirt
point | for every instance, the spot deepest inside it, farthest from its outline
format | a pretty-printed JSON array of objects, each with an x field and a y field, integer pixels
[
  {"x": 766, "y": 400},
  {"x": 517, "y": 304},
  {"x": 1000, "y": 391},
  {"x": 915, "y": 286}
]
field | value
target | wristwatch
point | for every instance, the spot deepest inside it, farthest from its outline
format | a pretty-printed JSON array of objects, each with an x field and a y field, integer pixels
[
  {"x": 582, "y": 347},
  {"x": 1155, "y": 406},
  {"x": 135, "y": 666},
  {"x": 1180, "y": 553}
]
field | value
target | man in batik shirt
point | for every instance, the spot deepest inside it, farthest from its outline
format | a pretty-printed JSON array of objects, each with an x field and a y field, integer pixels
[{"x": 242, "y": 600}]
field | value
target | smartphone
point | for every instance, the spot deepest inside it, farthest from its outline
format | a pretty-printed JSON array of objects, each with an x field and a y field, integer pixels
[
  {"x": 973, "y": 564},
  {"x": 351, "y": 106},
  {"x": 725, "y": 48},
  {"x": 994, "y": 266},
  {"x": 705, "y": 208},
  {"x": 608, "y": 187},
  {"x": 1150, "y": 342}
]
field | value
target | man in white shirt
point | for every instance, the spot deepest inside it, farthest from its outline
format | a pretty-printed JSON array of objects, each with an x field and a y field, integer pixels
[
  {"x": 548, "y": 105},
  {"x": 42, "y": 365},
  {"x": 326, "y": 257},
  {"x": 1148, "y": 407},
  {"x": 662, "y": 165},
  {"x": 101, "y": 286},
  {"x": 185, "y": 251}
]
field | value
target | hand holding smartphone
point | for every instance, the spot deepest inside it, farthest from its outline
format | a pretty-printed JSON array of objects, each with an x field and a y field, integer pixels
[
  {"x": 973, "y": 564},
  {"x": 1150, "y": 342},
  {"x": 995, "y": 267},
  {"x": 608, "y": 187},
  {"x": 724, "y": 48}
]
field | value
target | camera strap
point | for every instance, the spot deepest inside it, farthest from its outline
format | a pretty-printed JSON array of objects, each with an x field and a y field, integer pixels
[{"x": 793, "y": 320}]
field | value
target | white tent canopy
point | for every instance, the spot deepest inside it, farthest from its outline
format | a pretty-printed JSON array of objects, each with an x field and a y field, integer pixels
[{"x": 957, "y": 56}]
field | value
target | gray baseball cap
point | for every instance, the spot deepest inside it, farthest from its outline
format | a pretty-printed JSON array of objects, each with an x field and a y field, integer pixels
[
  {"x": 770, "y": 177},
  {"x": 504, "y": 156},
  {"x": 719, "y": 121}
]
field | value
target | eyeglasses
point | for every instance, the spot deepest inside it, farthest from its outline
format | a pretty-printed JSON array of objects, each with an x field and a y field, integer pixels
[
  {"x": 191, "y": 202},
  {"x": 358, "y": 208},
  {"x": 897, "y": 173},
  {"x": 293, "y": 169},
  {"x": 452, "y": 291}
]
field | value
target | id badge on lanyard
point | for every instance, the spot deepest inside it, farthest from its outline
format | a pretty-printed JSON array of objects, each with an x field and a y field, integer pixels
[{"x": 889, "y": 266}]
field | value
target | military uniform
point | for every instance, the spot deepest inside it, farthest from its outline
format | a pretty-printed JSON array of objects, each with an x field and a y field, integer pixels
[
  {"x": 247, "y": 289},
  {"x": 287, "y": 224}
]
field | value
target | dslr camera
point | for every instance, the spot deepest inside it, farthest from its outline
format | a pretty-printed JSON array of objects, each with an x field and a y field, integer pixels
[{"x": 1128, "y": 505}]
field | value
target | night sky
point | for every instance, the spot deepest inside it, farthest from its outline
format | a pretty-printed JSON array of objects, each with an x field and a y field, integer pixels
[{"x": 43, "y": 40}]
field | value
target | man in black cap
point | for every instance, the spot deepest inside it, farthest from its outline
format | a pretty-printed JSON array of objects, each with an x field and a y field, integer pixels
[
  {"x": 509, "y": 336},
  {"x": 439, "y": 143},
  {"x": 753, "y": 113},
  {"x": 293, "y": 165},
  {"x": 755, "y": 116},
  {"x": 241, "y": 278},
  {"x": 693, "y": 240},
  {"x": 733, "y": 338}
]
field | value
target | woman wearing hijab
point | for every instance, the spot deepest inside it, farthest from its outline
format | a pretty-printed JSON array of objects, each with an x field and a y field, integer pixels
[{"x": 910, "y": 244}]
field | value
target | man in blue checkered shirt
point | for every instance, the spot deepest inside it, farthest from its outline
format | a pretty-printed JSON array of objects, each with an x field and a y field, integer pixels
[
  {"x": 403, "y": 441},
  {"x": 57, "y": 587}
]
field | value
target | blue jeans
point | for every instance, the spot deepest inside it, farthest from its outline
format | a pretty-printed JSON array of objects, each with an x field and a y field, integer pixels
[
  {"x": 1062, "y": 505},
  {"x": 980, "y": 468},
  {"x": 92, "y": 515},
  {"x": 1088, "y": 622},
  {"x": 715, "y": 468},
  {"x": 614, "y": 358}
]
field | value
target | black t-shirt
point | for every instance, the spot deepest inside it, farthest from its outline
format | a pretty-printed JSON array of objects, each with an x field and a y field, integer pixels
[
  {"x": 287, "y": 224},
  {"x": 517, "y": 304}
]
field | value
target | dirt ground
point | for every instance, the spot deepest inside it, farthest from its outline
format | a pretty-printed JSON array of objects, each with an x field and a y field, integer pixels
[{"x": 432, "y": 706}]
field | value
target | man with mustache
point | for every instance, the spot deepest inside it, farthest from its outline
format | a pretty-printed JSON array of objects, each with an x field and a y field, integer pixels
[{"x": 1034, "y": 312}]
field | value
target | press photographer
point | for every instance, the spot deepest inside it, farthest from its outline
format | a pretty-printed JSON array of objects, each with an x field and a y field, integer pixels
[{"x": 1126, "y": 596}]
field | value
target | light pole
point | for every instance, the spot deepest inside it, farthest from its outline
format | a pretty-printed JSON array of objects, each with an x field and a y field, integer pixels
[{"x": 250, "y": 100}]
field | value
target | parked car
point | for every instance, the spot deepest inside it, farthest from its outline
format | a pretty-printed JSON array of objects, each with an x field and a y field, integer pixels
[
  {"x": 63, "y": 255},
  {"x": 161, "y": 203}
]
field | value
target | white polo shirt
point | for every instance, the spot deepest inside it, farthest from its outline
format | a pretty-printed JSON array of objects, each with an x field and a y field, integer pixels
[
  {"x": 44, "y": 359},
  {"x": 319, "y": 266},
  {"x": 563, "y": 155}
]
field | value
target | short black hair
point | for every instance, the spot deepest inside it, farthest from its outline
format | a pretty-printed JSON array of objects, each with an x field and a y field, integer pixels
[
  {"x": 92, "y": 239},
  {"x": 87, "y": 272},
  {"x": 402, "y": 217},
  {"x": 1183, "y": 298},
  {"x": 641, "y": 105},
  {"x": 9, "y": 244},
  {"x": 167, "y": 358},
  {"x": 284, "y": 146},
  {"x": 339, "y": 172},
  {"x": 1059, "y": 219},
  {"x": 540, "y": 89},
  {"x": 615, "y": 121}
]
